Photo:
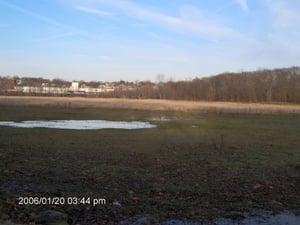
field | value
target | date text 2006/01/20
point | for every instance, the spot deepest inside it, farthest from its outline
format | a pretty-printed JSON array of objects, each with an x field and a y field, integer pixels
[{"x": 61, "y": 201}]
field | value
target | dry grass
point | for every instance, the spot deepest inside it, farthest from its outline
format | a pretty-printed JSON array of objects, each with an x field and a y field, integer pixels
[{"x": 150, "y": 104}]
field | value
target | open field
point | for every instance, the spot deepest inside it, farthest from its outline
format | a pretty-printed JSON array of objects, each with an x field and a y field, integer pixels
[
  {"x": 150, "y": 104},
  {"x": 197, "y": 164}
]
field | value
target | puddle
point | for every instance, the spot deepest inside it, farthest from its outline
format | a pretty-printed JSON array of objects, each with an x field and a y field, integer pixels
[
  {"x": 79, "y": 124},
  {"x": 263, "y": 218},
  {"x": 162, "y": 118},
  {"x": 252, "y": 218}
]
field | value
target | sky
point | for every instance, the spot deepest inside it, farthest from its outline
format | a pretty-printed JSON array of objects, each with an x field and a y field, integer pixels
[{"x": 112, "y": 40}]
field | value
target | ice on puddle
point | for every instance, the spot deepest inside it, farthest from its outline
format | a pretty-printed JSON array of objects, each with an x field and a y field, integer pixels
[{"x": 80, "y": 124}]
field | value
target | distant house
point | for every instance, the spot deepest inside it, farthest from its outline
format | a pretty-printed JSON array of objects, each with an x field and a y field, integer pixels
[
  {"x": 74, "y": 86},
  {"x": 45, "y": 87}
]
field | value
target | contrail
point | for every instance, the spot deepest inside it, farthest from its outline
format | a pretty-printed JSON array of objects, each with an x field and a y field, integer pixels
[
  {"x": 71, "y": 30},
  {"x": 32, "y": 14}
]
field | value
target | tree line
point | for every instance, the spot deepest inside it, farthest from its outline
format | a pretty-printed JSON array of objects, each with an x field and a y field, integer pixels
[{"x": 278, "y": 85}]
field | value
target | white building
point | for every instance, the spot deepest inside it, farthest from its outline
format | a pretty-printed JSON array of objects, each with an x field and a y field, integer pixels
[{"x": 75, "y": 86}]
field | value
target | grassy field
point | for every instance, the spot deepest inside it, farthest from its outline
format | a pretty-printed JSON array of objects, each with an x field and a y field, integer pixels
[
  {"x": 151, "y": 104},
  {"x": 196, "y": 165}
]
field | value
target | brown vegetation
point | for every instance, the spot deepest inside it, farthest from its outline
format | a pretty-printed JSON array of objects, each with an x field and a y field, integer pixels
[
  {"x": 6, "y": 83},
  {"x": 278, "y": 85},
  {"x": 149, "y": 104}
]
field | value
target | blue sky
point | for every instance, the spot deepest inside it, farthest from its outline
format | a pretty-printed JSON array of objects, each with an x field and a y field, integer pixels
[{"x": 112, "y": 40}]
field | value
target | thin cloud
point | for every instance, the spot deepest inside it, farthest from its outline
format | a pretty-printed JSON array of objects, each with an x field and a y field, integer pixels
[
  {"x": 280, "y": 43},
  {"x": 58, "y": 36},
  {"x": 243, "y": 4},
  {"x": 32, "y": 14},
  {"x": 284, "y": 14},
  {"x": 205, "y": 25},
  {"x": 140, "y": 24},
  {"x": 94, "y": 11},
  {"x": 69, "y": 31}
]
